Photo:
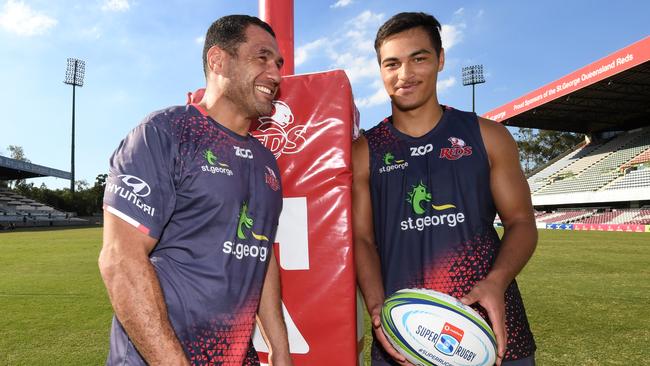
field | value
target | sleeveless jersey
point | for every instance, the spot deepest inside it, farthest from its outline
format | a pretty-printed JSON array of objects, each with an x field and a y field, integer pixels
[
  {"x": 433, "y": 214},
  {"x": 212, "y": 198}
]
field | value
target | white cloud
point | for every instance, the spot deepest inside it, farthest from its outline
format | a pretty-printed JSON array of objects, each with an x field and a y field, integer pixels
[
  {"x": 303, "y": 53},
  {"x": 446, "y": 84},
  {"x": 379, "y": 97},
  {"x": 200, "y": 40},
  {"x": 351, "y": 49},
  {"x": 366, "y": 19},
  {"x": 451, "y": 35},
  {"x": 341, "y": 4},
  {"x": 356, "y": 66},
  {"x": 459, "y": 11},
  {"x": 18, "y": 18},
  {"x": 93, "y": 33},
  {"x": 116, "y": 5}
]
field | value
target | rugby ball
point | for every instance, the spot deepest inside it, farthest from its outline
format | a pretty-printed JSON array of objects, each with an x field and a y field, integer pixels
[{"x": 434, "y": 329}]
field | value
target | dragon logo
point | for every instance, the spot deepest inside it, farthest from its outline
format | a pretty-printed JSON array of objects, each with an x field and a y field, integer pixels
[
  {"x": 246, "y": 222},
  {"x": 389, "y": 159},
  {"x": 209, "y": 156},
  {"x": 420, "y": 194}
]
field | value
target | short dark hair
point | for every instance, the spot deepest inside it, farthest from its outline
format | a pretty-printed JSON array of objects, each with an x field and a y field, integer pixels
[
  {"x": 404, "y": 21},
  {"x": 228, "y": 33}
]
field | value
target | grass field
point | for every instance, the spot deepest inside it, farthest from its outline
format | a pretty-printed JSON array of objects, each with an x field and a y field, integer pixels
[{"x": 586, "y": 293}]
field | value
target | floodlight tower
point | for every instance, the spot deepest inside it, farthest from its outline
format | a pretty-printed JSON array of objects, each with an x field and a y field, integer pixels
[
  {"x": 473, "y": 75},
  {"x": 74, "y": 75}
]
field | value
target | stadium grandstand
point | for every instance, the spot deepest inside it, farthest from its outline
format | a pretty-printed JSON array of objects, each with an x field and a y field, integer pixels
[
  {"x": 20, "y": 211},
  {"x": 603, "y": 183}
]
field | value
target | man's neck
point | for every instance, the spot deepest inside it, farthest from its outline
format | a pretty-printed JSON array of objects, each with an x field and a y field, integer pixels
[
  {"x": 417, "y": 122},
  {"x": 222, "y": 110}
]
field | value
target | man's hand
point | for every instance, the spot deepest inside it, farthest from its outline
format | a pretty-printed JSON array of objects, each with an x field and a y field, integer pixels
[
  {"x": 381, "y": 338},
  {"x": 490, "y": 296}
]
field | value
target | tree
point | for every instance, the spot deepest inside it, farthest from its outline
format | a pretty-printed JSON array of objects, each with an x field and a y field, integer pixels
[
  {"x": 527, "y": 149},
  {"x": 85, "y": 202},
  {"x": 16, "y": 152},
  {"x": 538, "y": 147}
]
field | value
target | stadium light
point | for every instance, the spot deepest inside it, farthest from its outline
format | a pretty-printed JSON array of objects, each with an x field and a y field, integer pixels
[
  {"x": 74, "y": 75},
  {"x": 473, "y": 75}
]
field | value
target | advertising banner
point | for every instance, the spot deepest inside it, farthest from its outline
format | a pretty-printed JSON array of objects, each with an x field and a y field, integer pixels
[
  {"x": 630, "y": 228},
  {"x": 621, "y": 60}
]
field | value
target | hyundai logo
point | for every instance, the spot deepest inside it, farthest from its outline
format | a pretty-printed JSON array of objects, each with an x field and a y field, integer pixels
[{"x": 138, "y": 186}]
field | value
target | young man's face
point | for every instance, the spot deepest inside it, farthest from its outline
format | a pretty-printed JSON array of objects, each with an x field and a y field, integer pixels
[
  {"x": 254, "y": 74},
  {"x": 409, "y": 68}
]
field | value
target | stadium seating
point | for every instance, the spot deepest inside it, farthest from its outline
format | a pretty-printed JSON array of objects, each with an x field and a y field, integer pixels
[
  {"x": 634, "y": 179},
  {"x": 561, "y": 217},
  {"x": 540, "y": 179},
  {"x": 603, "y": 217},
  {"x": 600, "y": 167},
  {"x": 644, "y": 157},
  {"x": 639, "y": 216},
  {"x": 26, "y": 212},
  {"x": 632, "y": 216}
]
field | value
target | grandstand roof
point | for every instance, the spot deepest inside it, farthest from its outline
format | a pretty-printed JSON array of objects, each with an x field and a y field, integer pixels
[
  {"x": 611, "y": 94},
  {"x": 11, "y": 169}
]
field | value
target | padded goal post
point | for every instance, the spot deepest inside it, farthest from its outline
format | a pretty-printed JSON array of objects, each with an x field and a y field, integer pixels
[{"x": 310, "y": 132}]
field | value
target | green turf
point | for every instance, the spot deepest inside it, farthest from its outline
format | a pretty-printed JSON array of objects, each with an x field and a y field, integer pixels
[
  {"x": 586, "y": 293},
  {"x": 54, "y": 309}
]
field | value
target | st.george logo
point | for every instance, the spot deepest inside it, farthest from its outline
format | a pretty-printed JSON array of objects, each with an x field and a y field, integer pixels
[
  {"x": 457, "y": 150},
  {"x": 419, "y": 196},
  {"x": 246, "y": 222},
  {"x": 137, "y": 185},
  {"x": 389, "y": 159},
  {"x": 209, "y": 156}
]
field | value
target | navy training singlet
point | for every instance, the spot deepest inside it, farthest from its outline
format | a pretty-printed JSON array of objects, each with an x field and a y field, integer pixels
[
  {"x": 433, "y": 215},
  {"x": 212, "y": 198}
]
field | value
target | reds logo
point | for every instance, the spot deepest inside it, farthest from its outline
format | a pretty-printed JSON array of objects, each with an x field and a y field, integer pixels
[
  {"x": 271, "y": 179},
  {"x": 457, "y": 150},
  {"x": 277, "y": 134}
]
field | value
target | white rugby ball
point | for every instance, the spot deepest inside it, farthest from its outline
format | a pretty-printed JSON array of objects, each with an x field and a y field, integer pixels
[{"x": 434, "y": 329}]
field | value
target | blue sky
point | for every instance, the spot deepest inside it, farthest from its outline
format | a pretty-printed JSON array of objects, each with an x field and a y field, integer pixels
[{"x": 145, "y": 55}]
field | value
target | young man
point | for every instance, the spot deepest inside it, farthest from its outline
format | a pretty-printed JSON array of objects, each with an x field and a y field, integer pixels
[
  {"x": 189, "y": 221},
  {"x": 427, "y": 183}
]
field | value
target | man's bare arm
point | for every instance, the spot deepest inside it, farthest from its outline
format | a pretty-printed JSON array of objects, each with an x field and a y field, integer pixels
[
  {"x": 511, "y": 196},
  {"x": 271, "y": 318},
  {"x": 135, "y": 292},
  {"x": 512, "y": 199}
]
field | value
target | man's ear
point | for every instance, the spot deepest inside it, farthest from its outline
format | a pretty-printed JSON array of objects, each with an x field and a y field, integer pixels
[
  {"x": 216, "y": 59},
  {"x": 441, "y": 60}
]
